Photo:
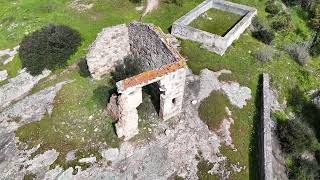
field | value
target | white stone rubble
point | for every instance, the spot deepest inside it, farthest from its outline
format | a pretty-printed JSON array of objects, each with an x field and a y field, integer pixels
[
  {"x": 90, "y": 160},
  {"x": 110, "y": 154},
  {"x": 3, "y": 75}
]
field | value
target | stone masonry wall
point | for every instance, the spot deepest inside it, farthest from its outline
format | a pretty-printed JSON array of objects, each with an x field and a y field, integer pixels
[
  {"x": 108, "y": 50},
  {"x": 173, "y": 86},
  {"x": 266, "y": 132},
  {"x": 213, "y": 42},
  {"x": 148, "y": 47}
]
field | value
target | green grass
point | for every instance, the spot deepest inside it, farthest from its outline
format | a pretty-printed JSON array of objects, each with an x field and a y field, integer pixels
[
  {"x": 78, "y": 121},
  {"x": 77, "y": 101},
  {"x": 221, "y": 23},
  {"x": 213, "y": 115}
]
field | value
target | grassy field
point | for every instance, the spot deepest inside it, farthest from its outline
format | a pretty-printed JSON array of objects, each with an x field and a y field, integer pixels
[
  {"x": 220, "y": 24},
  {"x": 80, "y": 105}
]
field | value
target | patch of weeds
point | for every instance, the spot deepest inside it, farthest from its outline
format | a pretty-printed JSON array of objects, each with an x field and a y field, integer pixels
[
  {"x": 228, "y": 77},
  {"x": 29, "y": 176},
  {"x": 13, "y": 67},
  {"x": 280, "y": 116},
  {"x": 203, "y": 168},
  {"x": 212, "y": 109},
  {"x": 83, "y": 153},
  {"x": 3, "y": 58}
]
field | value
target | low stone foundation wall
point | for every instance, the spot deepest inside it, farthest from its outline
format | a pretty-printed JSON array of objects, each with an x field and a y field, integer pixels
[
  {"x": 266, "y": 132},
  {"x": 213, "y": 42}
]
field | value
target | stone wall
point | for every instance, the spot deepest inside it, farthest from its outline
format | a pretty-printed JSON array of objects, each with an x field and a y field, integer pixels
[
  {"x": 152, "y": 52},
  {"x": 148, "y": 47},
  {"x": 108, "y": 50},
  {"x": 213, "y": 42},
  {"x": 266, "y": 132}
]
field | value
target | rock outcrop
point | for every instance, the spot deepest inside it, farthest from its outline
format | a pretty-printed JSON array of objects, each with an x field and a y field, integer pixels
[{"x": 19, "y": 87}]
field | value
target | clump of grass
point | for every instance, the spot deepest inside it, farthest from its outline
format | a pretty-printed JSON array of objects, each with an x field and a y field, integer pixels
[
  {"x": 212, "y": 109},
  {"x": 299, "y": 51},
  {"x": 265, "y": 54},
  {"x": 203, "y": 168}
]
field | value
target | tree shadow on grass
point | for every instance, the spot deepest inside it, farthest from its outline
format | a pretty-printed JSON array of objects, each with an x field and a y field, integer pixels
[
  {"x": 102, "y": 94},
  {"x": 255, "y": 142}
]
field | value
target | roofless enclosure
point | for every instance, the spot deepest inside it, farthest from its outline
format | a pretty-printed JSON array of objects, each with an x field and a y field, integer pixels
[
  {"x": 155, "y": 61},
  {"x": 185, "y": 27}
]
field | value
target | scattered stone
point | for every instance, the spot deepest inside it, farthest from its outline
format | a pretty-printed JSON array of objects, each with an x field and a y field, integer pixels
[
  {"x": 3, "y": 75},
  {"x": 228, "y": 111},
  {"x": 194, "y": 102},
  {"x": 89, "y": 160},
  {"x": 71, "y": 155},
  {"x": 316, "y": 101},
  {"x": 224, "y": 132},
  {"x": 42, "y": 160},
  {"x": 80, "y": 5},
  {"x": 237, "y": 168},
  {"x": 20, "y": 85},
  {"x": 139, "y": 8},
  {"x": 9, "y": 53},
  {"x": 53, "y": 173},
  {"x": 110, "y": 154}
]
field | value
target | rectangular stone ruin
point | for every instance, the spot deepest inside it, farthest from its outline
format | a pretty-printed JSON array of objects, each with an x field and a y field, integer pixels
[
  {"x": 152, "y": 53},
  {"x": 213, "y": 42}
]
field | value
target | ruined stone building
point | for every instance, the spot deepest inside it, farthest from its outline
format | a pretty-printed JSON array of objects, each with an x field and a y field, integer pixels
[{"x": 149, "y": 54}]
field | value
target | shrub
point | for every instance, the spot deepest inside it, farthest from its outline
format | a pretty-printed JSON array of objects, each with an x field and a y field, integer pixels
[
  {"x": 273, "y": 8},
  {"x": 265, "y": 54},
  {"x": 262, "y": 32},
  {"x": 296, "y": 137},
  {"x": 315, "y": 16},
  {"x": 315, "y": 48},
  {"x": 281, "y": 21},
  {"x": 299, "y": 51},
  {"x": 304, "y": 169},
  {"x": 48, "y": 48}
]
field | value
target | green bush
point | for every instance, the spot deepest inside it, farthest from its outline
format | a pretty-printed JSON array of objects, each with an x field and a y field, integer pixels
[
  {"x": 299, "y": 52},
  {"x": 315, "y": 16},
  {"x": 262, "y": 32},
  {"x": 273, "y": 8},
  {"x": 48, "y": 48},
  {"x": 304, "y": 169},
  {"x": 281, "y": 22},
  {"x": 296, "y": 137}
]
